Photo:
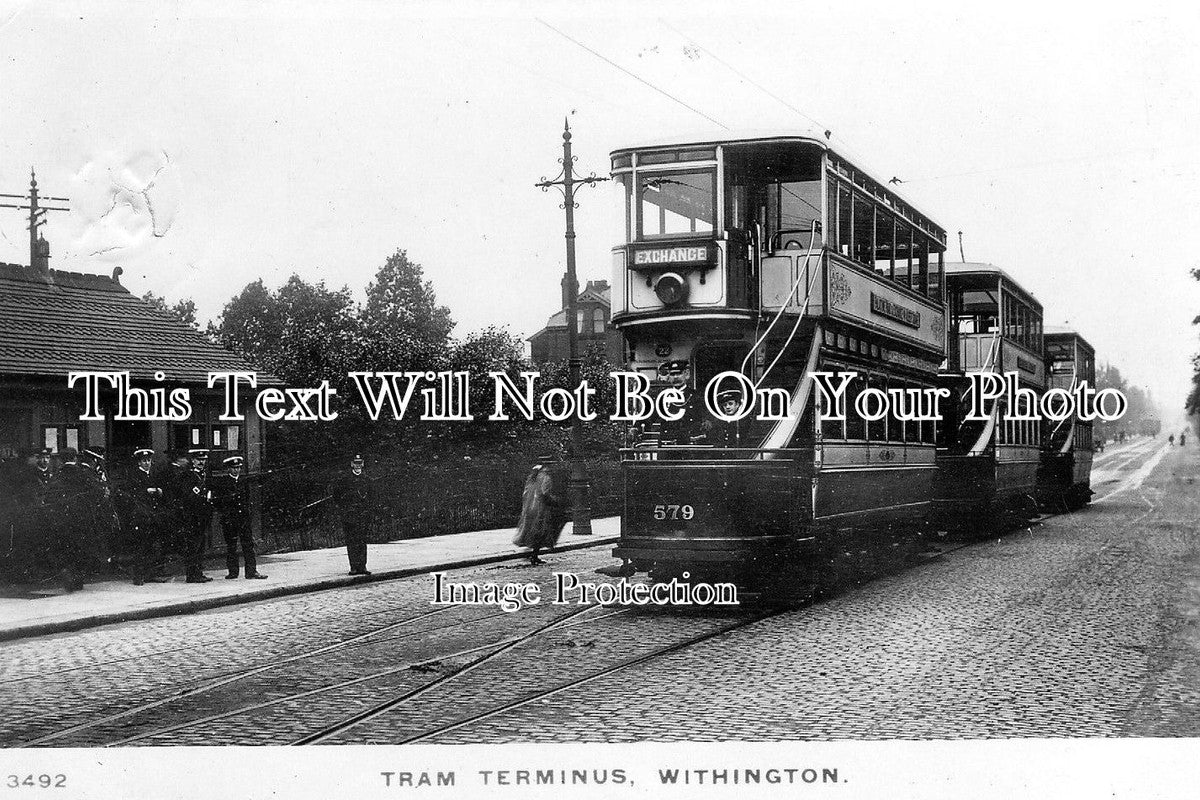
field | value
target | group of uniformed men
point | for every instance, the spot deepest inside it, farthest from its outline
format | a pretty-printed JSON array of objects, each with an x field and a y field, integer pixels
[{"x": 74, "y": 520}]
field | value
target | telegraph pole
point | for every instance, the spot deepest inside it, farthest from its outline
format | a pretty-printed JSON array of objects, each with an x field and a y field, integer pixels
[
  {"x": 38, "y": 250},
  {"x": 577, "y": 484}
]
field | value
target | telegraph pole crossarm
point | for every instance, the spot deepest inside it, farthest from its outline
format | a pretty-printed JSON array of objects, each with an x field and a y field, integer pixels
[{"x": 577, "y": 485}]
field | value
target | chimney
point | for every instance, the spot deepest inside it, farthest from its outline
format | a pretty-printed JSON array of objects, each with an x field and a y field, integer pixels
[{"x": 41, "y": 255}]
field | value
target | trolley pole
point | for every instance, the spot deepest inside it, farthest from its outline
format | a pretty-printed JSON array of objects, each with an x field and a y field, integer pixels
[{"x": 577, "y": 484}]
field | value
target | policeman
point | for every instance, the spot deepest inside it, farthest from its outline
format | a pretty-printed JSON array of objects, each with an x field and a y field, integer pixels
[
  {"x": 353, "y": 499},
  {"x": 183, "y": 490},
  {"x": 199, "y": 515},
  {"x": 73, "y": 495},
  {"x": 143, "y": 519},
  {"x": 231, "y": 496},
  {"x": 31, "y": 521},
  {"x": 106, "y": 525}
]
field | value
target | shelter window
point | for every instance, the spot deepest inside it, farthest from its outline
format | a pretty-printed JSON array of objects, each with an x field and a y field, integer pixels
[
  {"x": 677, "y": 203},
  {"x": 59, "y": 437}
]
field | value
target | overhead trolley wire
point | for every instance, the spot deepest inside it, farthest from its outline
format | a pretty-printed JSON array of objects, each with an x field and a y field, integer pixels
[
  {"x": 740, "y": 74},
  {"x": 633, "y": 75}
]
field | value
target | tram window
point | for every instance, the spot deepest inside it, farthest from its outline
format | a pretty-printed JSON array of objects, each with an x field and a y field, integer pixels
[
  {"x": 877, "y": 428},
  {"x": 676, "y": 203},
  {"x": 864, "y": 232},
  {"x": 831, "y": 210},
  {"x": 913, "y": 430},
  {"x": 895, "y": 424},
  {"x": 832, "y": 428},
  {"x": 903, "y": 252},
  {"x": 845, "y": 220},
  {"x": 799, "y": 207},
  {"x": 856, "y": 426},
  {"x": 885, "y": 243},
  {"x": 622, "y": 184},
  {"x": 936, "y": 267},
  {"x": 920, "y": 264},
  {"x": 929, "y": 431}
]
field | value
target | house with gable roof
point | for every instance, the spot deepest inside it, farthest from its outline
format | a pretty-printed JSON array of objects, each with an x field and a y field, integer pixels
[{"x": 592, "y": 311}]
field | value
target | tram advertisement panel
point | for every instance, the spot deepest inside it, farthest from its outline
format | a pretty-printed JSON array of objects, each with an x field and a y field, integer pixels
[{"x": 875, "y": 303}]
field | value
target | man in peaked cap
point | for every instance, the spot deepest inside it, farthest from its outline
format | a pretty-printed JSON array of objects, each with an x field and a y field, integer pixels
[
  {"x": 353, "y": 498},
  {"x": 31, "y": 518},
  {"x": 231, "y": 496},
  {"x": 199, "y": 516},
  {"x": 106, "y": 526},
  {"x": 143, "y": 518},
  {"x": 73, "y": 495}
]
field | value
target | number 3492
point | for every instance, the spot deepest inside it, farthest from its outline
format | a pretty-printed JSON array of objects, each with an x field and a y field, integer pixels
[
  {"x": 35, "y": 781},
  {"x": 673, "y": 511}
]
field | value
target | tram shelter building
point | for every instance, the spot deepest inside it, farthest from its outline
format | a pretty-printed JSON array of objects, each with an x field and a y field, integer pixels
[{"x": 53, "y": 323}]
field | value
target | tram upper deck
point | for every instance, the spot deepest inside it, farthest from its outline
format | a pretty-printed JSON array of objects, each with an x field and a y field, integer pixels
[
  {"x": 995, "y": 324},
  {"x": 772, "y": 256},
  {"x": 719, "y": 232}
]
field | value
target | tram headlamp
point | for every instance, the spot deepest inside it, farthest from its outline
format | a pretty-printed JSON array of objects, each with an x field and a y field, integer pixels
[{"x": 671, "y": 288}]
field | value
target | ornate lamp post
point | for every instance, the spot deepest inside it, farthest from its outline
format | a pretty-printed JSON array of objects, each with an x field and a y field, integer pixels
[{"x": 577, "y": 484}]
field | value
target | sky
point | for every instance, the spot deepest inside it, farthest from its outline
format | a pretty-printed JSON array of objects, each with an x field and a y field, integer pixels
[{"x": 205, "y": 145}]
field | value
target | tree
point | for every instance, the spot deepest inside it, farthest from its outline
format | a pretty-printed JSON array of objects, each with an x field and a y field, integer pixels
[
  {"x": 183, "y": 310},
  {"x": 303, "y": 333},
  {"x": 405, "y": 328}
]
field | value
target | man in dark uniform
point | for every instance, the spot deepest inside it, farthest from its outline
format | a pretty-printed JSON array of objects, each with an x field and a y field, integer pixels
[
  {"x": 353, "y": 498},
  {"x": 188, "y": 505},
  {"x": 103, "y": 548},
  {"x": 175, "y": 483},
  {"x": 199, "y": 515},
  {"x": 74, "y": 494},
  {"x": 231, "y": 496},
  {"x": 35, "y": 545},
  {"x": 143, "y": 519}
]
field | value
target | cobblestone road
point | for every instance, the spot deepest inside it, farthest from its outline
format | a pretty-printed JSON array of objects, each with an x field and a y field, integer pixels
[{"x": 1085, "y": 625}]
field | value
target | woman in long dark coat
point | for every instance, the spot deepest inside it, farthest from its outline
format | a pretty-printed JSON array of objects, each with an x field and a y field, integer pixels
[{"x": 542, "y": 513}]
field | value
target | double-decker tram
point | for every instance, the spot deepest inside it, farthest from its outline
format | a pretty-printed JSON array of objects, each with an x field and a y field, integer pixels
[
  {"x": 1064, "y": 480},
  {"x": 989, "y": 463},
  {"x": 773, "y": 257}
]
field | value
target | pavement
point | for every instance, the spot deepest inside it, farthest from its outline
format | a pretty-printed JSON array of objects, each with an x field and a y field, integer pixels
[{"x": 47, "y": 611}]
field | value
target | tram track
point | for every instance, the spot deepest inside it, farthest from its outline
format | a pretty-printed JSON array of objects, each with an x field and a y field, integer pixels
[
  {"x": 365, "y": 639},
  {"x": 239, "y": 675},
  {"x": 489, "y": 653}
]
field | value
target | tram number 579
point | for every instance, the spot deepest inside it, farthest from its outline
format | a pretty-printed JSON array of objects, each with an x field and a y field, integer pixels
[{"x": 672, "y": 511}]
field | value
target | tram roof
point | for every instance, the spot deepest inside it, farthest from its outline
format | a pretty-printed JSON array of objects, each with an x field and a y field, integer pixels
[
  {"x": 1065, "y": 332},
  {"x": 982, "y": 268},
  {"x": 761, "y": 136}
]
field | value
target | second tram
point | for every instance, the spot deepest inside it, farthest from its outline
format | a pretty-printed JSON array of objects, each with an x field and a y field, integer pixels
[{"x": 991, "y": 464}]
